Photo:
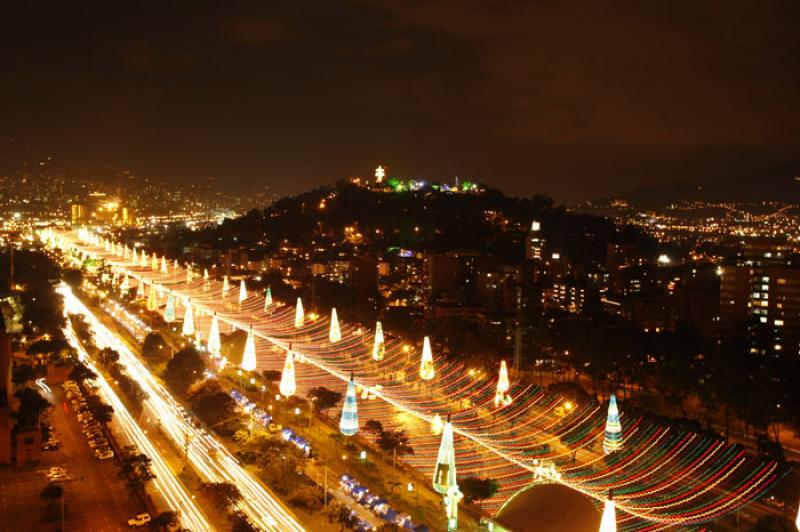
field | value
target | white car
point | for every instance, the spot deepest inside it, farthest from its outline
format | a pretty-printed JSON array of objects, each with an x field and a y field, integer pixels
[{"x": 139, "y": 520}]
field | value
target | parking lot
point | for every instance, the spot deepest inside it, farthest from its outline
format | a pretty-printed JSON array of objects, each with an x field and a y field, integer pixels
[{"x": 95, "y": 498}]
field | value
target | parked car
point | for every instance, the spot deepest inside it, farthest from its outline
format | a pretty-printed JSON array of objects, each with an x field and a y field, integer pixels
[{"x": 139, "y": 520}]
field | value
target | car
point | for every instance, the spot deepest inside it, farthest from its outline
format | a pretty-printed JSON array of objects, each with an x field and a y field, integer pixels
[
  {"x": 139, "y": 520},
  {"x": 57, "y": 477},
  {"x": 104, "y": 455}
]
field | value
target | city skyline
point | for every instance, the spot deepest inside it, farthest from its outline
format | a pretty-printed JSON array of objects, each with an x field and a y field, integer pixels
[{"x": 578, "y": 102}]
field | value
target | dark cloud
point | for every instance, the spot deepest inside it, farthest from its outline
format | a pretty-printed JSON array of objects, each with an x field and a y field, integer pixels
[{"x": 571, "y": 98}]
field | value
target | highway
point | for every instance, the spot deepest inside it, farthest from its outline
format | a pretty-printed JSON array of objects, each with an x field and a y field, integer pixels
[
  {"x": 212, "y": 461},
  {"x": 170, "y": 488}
]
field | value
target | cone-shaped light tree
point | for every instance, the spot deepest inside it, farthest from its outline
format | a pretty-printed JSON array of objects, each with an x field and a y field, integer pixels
[
  {"x": 164, "y": 264},
  {"x": 437, "y": 425},
  {"x": 242, "y": 292},
  {"x": 188, "y": 320},
  {"x": 175, "y": 266},
  {"x": 214, "y": 344},
  {"x": 288, "y": 386},
  {"x": 169, "y": 309},
  {"x": 249, "y": 356},
  {"x": 152, "y": 299},
  {"x": 426, "y": 369},
  {"x": 125, "y": 285},
  {"x": 445, "y": 480},
  {"x": 225, "y": 286},
  {"x": 501, "y": 396},
  {"x": 140, "y": 290},
  {"x": 143, "y": 258},
  {"x": 379, "y": 345},
  {"x": 348, "y": 423},
  {"x": 268, "y": 298},
  {"x": 335, "y": 333},
  {"x": 189, "y": 274},
  {"x": 612, "y": 440},
  {"x": 154, "y": 264},
  {"x": 608, "y": 523},
  {"x": 299, "y": 314},
  {"x": 797, "y": 522}
]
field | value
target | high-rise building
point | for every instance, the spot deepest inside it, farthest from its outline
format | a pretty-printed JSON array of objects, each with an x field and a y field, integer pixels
[{"x": 760, "y": 299}]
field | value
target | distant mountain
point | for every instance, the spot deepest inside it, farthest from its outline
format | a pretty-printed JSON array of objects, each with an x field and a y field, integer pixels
[{"x": 781, "y": 183}]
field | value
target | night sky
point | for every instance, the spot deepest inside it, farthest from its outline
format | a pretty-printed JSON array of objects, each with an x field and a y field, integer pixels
[{"x": 574, "y": 99}]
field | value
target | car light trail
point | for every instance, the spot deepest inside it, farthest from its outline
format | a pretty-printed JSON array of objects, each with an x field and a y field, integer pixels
[
  {"x": 166, "y": 484},
  {"x": 209, "y": 457}
]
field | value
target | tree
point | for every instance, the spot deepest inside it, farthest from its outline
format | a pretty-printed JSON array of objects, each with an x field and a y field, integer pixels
[
  {"x": 305, "y": 497},
  {"x": 154, "y": 347},
  {"x": 224, "y": 495},
  {"x": 478, "y": 489},
  {"x": 22, "y": 374},
  {"x": 210, "y": 401},
  {"x": 108, "y": 356},
  {"x": 394, "y": 441},
  {"x": 240, "y": 523},
  {"x": 271, "y": 375},
  {"x": 135, "y": 466},
  {"x": 184, "y": 369},
  {"x": 374, "y": 426},
  {"x": 165, "y": 520},
  {"x": 52, "y": 492},
  {"x": 100, "y": 410},
  {"x": 323, "y": 398},
  {"x": 31, "y": 406},
  {"x": 81, "y": 372}
]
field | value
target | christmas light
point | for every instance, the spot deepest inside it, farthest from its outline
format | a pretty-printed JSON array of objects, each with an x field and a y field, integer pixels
[
  {"x": 249, "y": 356},
  {"x": 608, "y": 523},
  {"x": 152, "y": 301},
  {"x": 214, "y": 344},
  {"x": 188, "y": 321},
  {"x": 501, "y": 396},
  {"x": 268, "y": 298},
  {"x": 379, "y": 345},
  {"x": 169, "y": 309},
  {"x": 288, "y": 386},
  {"x": 242, "y": 292},
  {"x": 335, "y": 333},
  {"x": 299, "y": 315},
  {"x": 426, "y": 369},
  {"x": 225, "y": 286},
  {"x": 437, "y": 425},
  {"x": 348, "y": 424},
  {"x": 612, "y": 441},
  {"x": 163, "y": 264}
]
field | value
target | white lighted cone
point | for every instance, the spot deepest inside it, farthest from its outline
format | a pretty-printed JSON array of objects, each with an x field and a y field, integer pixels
[
  {"x": 242, "y": 292},
  {"x": 175, "y": 266},
  {"x": 426, "y": 369},
  {"x": 299, "y": 314},
  {"x": 225, "y": 286},
  {"x": 249, "y": 356},
  {"x": 214, "y": 344},
  {"x": 288, "y": 386},
  {"x": 188, "y": 320},
  {"x": 437, "y": 425},
  {"x": 163, "y": 264},
  {"x": 154, "y": 265},
  {"x": 501, "y": 396},
  {"x": 152, "y": 301},
  {"x": 335, "y": 333},
  {"x": 608, "y": 523},
  {"x": 268, "y": 298},
  {"x": 189, "y": 273},
  {"x": 378, "y": 346}
]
